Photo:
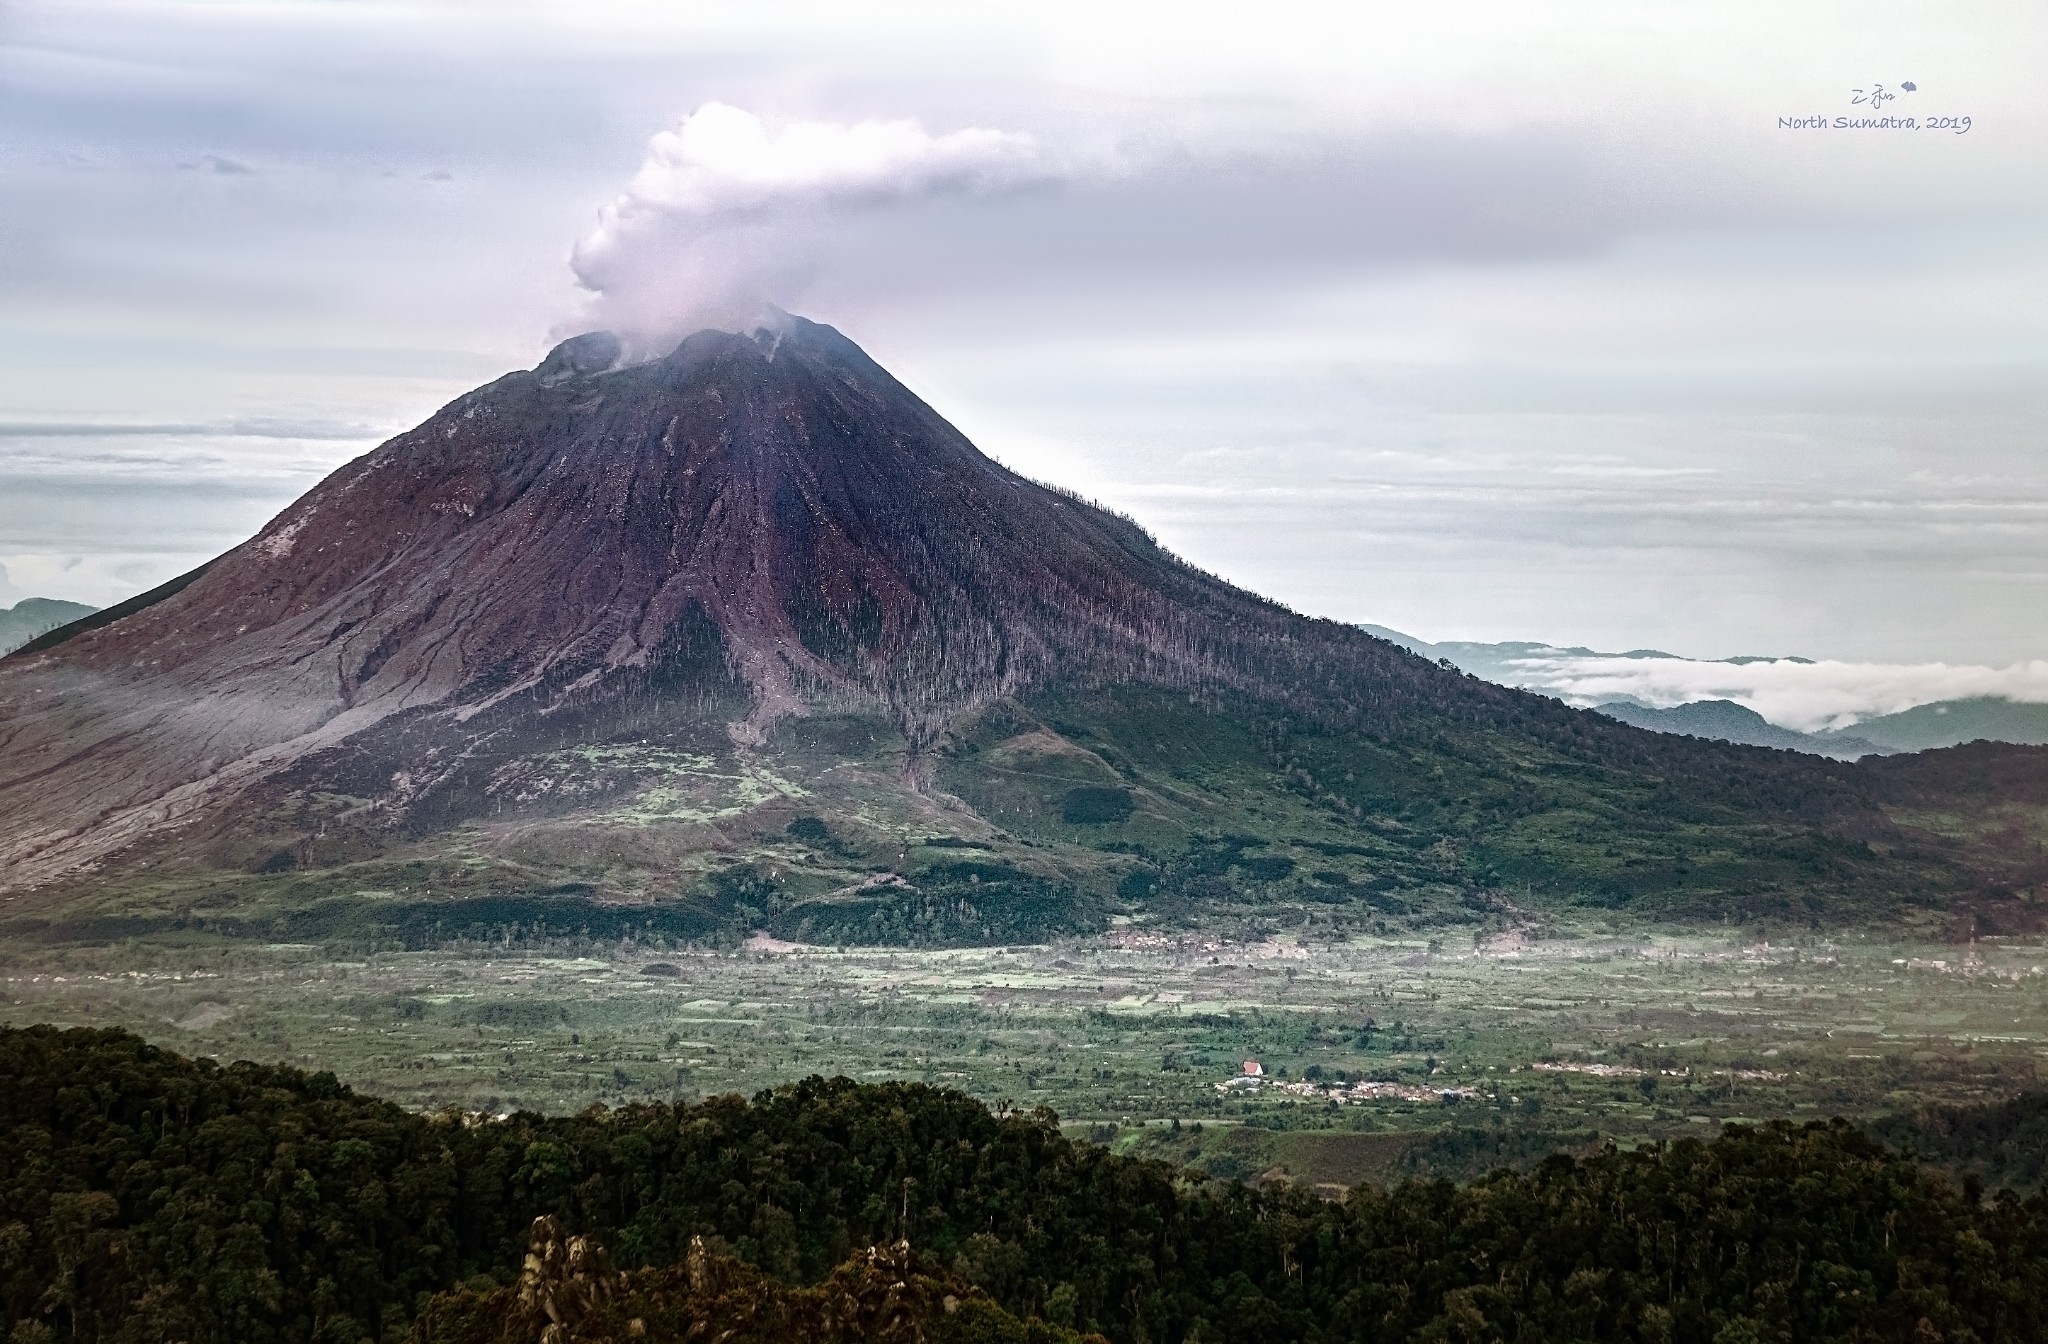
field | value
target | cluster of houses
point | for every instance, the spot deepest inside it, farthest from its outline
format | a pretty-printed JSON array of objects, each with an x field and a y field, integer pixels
[
  {"x": 1624, "y": 1071},
  {"x": 1253, "y": 1078}
]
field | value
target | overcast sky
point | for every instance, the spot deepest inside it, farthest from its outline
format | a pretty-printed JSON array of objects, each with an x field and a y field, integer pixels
[{"x": 1481, "y": 321}]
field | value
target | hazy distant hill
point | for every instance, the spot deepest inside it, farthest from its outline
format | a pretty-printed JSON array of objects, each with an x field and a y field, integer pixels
[
  {"x": 1951, "y": 722},
  {"x": 32, "y": 616},
  {"x": 1726, "y": 721}
]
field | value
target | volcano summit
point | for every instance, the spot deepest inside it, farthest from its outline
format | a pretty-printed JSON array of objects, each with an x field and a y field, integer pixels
[{"x": 749, "y": 637}]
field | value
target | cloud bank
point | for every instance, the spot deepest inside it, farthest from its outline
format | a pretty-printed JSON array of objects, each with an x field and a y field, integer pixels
[
  {"x": 728, "y": 213},
  {"x": 1806, "y": 696},
  {"x": 257, "y": 428}
]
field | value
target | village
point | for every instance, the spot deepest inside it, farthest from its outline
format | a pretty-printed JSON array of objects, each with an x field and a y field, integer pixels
[{"x": 1253, "y": 1077}]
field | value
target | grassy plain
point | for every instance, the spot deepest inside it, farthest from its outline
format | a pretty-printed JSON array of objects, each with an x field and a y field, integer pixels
[{"x": 1629, "y": 1033}]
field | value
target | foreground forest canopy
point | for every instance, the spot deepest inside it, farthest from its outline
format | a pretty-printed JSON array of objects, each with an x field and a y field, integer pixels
[
  {"x": 570, "y": 1293},
  {"x": 146, "y": 1196}
]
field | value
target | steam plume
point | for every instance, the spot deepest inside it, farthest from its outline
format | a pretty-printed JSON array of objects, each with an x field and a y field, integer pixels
[{"x": 728, "y": 214}]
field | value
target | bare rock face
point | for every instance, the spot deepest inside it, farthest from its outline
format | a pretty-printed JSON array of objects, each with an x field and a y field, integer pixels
[{"x": 770, "y": 514}]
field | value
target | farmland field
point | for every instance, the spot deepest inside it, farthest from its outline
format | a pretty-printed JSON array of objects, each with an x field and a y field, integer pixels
[{"x": 1377, "y": 1055}]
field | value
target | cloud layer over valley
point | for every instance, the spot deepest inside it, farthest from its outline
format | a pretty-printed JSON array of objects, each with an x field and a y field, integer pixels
[{"x": 1806, "y": 696}]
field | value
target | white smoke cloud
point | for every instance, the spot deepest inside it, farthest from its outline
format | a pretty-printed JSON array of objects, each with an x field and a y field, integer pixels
[
  {"x": 1807, "y": 696},
  {"x": 728, "y": 213}
]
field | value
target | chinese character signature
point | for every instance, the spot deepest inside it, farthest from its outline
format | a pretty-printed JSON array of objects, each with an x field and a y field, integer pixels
[{"x": 1877, "y": 95}]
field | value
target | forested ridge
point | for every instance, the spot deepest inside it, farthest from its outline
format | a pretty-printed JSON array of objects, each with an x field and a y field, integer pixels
[{"x": 149, "y": 1197}]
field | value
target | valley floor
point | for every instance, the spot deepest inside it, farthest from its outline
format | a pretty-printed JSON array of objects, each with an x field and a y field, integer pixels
[{"x": 1379, "y": 1057}]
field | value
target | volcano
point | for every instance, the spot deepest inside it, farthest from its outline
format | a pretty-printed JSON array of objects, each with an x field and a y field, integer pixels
[{"x": 749, "y": 636}]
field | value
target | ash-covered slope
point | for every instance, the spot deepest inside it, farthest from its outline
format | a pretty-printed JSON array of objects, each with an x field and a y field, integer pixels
[{"x": 667, "y": 564}]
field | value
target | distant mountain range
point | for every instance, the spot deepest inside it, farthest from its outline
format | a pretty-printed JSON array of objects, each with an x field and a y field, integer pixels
[
  {"x": 1948, "y": 722},
  {"x": 33, "y": 616},
  {"x": 1945, "y": 723},
  {"x": 1726, "y": 721}
]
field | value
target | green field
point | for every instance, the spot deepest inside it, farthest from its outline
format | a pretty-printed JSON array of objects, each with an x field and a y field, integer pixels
[{"x": 1542, "y": 1040}]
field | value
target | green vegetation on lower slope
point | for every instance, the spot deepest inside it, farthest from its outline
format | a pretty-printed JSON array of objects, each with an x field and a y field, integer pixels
[
  {"x": 1239, "y": 804},
  {"x": 1061, "y": 812},
  {"x": 145, "y": 1196}
]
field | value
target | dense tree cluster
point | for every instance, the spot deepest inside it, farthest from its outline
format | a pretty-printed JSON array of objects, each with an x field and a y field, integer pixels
[
  {"x": 569, "y": 1293},
  {"x": 943, "y": 905},
  {"x": 144, "y": 1196},
  {"x": 2005, "y": 1144}
]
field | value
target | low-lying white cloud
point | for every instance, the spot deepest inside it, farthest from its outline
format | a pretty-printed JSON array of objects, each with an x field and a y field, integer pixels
[
  {"x": 727, "y": 212},
  {"x": 1807, "y": 696}
]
